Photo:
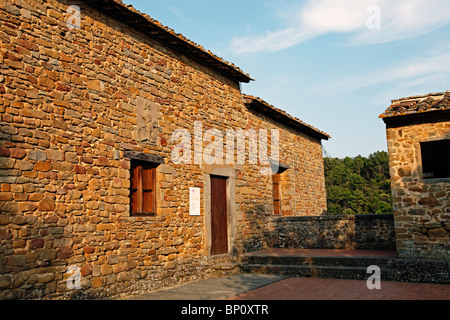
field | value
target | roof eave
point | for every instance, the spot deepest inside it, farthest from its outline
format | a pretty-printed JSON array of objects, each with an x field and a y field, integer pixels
[
  {"x": 275, "y": 114},
  {"x": 416, "y": 118},
  {"x": 168, "y": 37}
]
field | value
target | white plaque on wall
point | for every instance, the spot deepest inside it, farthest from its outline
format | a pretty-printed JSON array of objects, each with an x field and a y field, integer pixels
[{"x": 194, "y": 201}]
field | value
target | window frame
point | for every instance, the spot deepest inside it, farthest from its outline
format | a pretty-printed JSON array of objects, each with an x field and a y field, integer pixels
[
  {"x": 137, "y": 187},
  {"x": 425, "y": 157},
  {"x": 276, "y": 193},
  {"x": 278, "y": 169}
]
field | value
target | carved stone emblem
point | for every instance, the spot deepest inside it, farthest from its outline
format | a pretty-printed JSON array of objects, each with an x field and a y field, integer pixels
[{"x": 147, "y": 121}]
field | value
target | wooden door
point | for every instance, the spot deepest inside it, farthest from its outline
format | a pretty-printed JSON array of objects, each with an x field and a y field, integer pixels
[{"x": 219, "y": 220}]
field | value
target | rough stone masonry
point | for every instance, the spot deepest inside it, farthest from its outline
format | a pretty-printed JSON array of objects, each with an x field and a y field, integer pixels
[
  {"x": 420, "y": 195},
  {"x": 78, "y": 100}
]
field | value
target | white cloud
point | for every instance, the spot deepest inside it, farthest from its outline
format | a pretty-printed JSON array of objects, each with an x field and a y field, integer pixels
[
  {"x": 413, "y": 69},
  {"x": 335, "y": 16},
  {"x": 176, "y": 11},
  {"x": 400, "y": 19},
  {"x": 432, "y": 70},
  {"x": 421, "y": 85},
  {"x": 405, "y": 20},
  {"x": 271, "y": 41}
]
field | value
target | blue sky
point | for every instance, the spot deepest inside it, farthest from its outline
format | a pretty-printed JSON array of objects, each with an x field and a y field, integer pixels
[{"x": 335, "y": 64}]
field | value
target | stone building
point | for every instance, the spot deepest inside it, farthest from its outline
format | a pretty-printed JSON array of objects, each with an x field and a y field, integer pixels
[
  {"x": 418, "y": 135},
  {"x": 109, "y": 121}
]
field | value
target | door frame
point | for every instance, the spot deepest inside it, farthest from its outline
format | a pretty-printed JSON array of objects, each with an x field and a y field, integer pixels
[{"x": 230, "y": 174}]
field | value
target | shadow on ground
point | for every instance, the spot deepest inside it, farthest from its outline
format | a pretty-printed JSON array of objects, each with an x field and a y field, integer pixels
[{"x": 213, "y": 288}]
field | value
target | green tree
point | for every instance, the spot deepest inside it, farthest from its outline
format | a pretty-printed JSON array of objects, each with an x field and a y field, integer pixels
[{"x": 358, "y": 185}]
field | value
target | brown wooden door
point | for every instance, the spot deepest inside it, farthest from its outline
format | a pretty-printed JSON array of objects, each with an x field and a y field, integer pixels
[{"x": 219, "y": 230}]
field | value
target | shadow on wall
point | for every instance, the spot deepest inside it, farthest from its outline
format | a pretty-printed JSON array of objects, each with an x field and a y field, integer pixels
[{"x": 368, "y": 232}]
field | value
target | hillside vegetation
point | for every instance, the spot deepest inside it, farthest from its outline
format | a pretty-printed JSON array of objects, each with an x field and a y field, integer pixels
[{"x": 358, "y": 185}]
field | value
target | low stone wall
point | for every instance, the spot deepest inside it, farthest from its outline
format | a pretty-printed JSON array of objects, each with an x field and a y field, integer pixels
[{"x": 371, "y": 232}]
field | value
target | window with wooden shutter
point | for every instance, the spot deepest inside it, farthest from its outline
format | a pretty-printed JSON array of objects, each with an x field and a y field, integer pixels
[
  {"x": 276, "y": 194},
  {"x": 277, "y": 170},
  {"x": 142, "y": 190}
]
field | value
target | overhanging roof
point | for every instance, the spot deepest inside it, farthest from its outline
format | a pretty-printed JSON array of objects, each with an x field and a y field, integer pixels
[
  {"x": 168, "y": 37},
  {"x": 283, "y": 117},
  {"x": 417, "y": 105}
]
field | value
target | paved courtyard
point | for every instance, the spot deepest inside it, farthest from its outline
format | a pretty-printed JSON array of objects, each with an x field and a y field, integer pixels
[
  {"x": 276, "y": 287},
  {"x": 338, "y": 289}
]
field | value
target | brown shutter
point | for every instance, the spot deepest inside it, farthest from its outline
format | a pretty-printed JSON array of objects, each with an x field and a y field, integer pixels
[
  {"x": 148, "y": 187},
  {"x": 142, "y": 189},
  {"x": 276, "y": 194},
  {"x": 134, "y": 189}
]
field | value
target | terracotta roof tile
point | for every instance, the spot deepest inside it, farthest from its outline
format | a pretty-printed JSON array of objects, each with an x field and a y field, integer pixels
[
  {"x": 128, "y": 13},
  {"x": 418, "y": 104},
  {"x": 284, "y": 117}
]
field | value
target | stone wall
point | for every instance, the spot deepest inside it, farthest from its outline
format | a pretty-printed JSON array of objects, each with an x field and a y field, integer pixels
[
  {"x": 421, "y": 207},
  {"x": 371, "y": 232},
  {"x": 71, "y": 104}
]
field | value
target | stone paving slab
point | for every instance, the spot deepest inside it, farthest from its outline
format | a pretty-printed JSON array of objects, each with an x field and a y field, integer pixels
[
  {"x": 278, "y": 287},
  {"x": 213, "y": 288},
  {"x": 339, "y": 289}
]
